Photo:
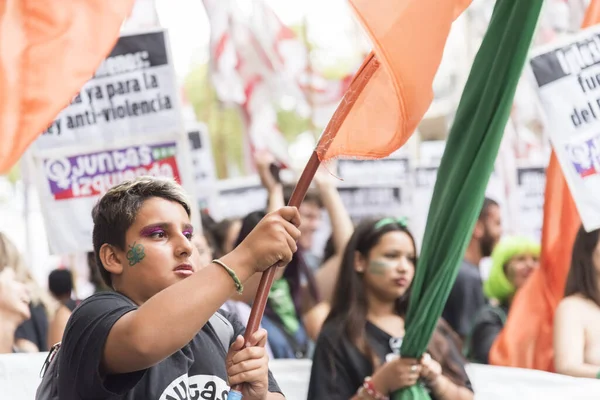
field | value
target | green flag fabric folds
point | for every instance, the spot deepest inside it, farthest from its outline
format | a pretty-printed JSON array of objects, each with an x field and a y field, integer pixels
[{"x": 466, "y": 166}]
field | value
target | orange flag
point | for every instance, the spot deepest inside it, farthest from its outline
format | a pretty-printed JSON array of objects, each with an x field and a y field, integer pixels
[
  {"x": 47, "y": 52},
  {"x": 526, "y": 340},
  {"x": 408, "y": 38}
]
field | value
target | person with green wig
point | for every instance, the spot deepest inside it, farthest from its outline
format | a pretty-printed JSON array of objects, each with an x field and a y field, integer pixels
[{"x": 513, "y": 261}]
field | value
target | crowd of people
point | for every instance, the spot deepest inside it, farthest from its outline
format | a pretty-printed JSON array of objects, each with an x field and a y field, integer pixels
[{"x": 146, "y": 326}]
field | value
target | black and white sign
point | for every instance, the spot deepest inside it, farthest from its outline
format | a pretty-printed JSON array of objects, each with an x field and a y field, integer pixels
[
  {"x": 386, "y": 171},
  {"x": 239, "y": 197},
  {"x": 125, "y": 122},
  {"x": 424, "y": 183},
  {"x": 373, "y": 201},
  {"x": 203, "y": 168},
  {"x": 567, "y": 75},
  {"x": 133, "y": 93},
  {"x": 531, "y": 182}
]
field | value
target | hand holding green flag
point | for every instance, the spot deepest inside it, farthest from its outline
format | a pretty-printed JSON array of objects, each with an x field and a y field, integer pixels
[{"x": 466, "y": 166}]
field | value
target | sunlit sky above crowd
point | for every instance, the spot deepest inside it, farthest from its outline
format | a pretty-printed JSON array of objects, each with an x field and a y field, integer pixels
[{"x": 330, "y": 26}]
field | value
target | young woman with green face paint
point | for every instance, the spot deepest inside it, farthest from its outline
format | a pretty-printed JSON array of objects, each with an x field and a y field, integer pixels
[{"x": 357, "y": 355}]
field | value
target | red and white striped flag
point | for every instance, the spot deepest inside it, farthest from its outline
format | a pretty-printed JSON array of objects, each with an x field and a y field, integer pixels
[{"x": 258, "y": 63}]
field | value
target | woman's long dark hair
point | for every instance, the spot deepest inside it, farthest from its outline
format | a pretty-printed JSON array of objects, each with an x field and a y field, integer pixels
[
  {"x": 349, "y": 305},
  {"x": 583, "y": 278},
  {"x": 219, "y": 231}
]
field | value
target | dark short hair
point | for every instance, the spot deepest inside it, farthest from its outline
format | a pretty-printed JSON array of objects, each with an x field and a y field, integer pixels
[
  {"x": 60, "y": 282},
  {"x": 116, "y": 211},
  {"x": 485, "y": 208},
  {"x": 208, "y": 222},
  {"x": 582, "y": 278},
  {"x": 208, "y": 226},
  {"x": 249, "y": 222},
  {"x": 219, "y": 233}
]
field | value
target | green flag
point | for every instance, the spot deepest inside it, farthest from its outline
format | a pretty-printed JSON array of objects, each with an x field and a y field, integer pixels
[{"x": 465, "y": 169}]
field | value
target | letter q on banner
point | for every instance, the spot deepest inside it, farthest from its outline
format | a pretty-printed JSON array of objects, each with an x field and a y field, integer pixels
[
  {"x": 93, "y": 174},
  {"x": 70, "y": 185}
]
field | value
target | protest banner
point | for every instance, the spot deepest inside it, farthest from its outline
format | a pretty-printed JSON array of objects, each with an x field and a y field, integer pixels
[
  {"x": 374, "y": 188},
  {"x": 424, "y": 177},
  {"x": 240, "y": 196},
  {"x": 531, "y": 183},
  {"x": 88, "y": 175},
  {"x": 70, "y": 183},
  {"x": 365, "y": 201},
  {"x": 203, "y": 168},
  {"x": 20, "y": 377},
  {"x": 125, "y": 122},
  {"x": 567, "y": 75},
  {"x": 133, "y": 93},
  {"x": 423, "y": 183},
  {"x": 386, "y": 171}
]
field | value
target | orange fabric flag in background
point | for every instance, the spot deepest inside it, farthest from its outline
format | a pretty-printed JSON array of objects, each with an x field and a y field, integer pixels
[
  {"x": 48, "y": 50},
  {"x": 526, "y": 340},
  {"x": 408, "y": 38}
]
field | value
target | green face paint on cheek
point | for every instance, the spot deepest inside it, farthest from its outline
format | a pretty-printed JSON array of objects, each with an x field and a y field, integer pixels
[
  {"x": 379, "y": 267},
  {"x": 135, "y": 254}
]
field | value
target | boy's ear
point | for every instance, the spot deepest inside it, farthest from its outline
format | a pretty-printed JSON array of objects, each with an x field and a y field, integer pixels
[{"x": 111, "y": 259}]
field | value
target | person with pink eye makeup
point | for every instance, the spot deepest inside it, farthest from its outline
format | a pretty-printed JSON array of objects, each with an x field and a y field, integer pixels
[{"x": 154, "y": 335}]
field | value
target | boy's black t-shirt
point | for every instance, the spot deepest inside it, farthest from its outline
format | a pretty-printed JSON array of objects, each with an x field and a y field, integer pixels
[{"x": 197, "y": 371}]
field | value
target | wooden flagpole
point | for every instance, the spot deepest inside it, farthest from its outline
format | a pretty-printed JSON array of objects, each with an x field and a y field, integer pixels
[{"x": 361, "y": 78}]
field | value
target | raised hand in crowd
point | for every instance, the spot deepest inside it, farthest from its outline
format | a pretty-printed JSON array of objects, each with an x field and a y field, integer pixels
[{"x": 265, "y": 161}]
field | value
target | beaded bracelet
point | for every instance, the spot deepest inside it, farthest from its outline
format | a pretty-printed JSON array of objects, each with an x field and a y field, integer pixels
[
  {"x": 238, "y": 285},
  {"x": 362, "y": 393},
  {"x": 372, "y": 391}
]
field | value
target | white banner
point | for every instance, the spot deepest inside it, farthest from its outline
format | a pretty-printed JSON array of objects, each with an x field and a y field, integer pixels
[
  {"x": 375, "y": 188},
  {"x": 423, "y": 185},
  {"x": 203, "y": 167},
  {"x": 125, "y": 122},
  {"x": 365, "y": 201},
  {"x": 70, "y": 183},
  {"x": 20, "y": 377},
  {"x": 386, "y": 171},
  {"x": 568, "y": 80},
  {"x": 239, "y": 197},
  {"x": 133, "y": 93},
  {"x": 531, "y": 182}
]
